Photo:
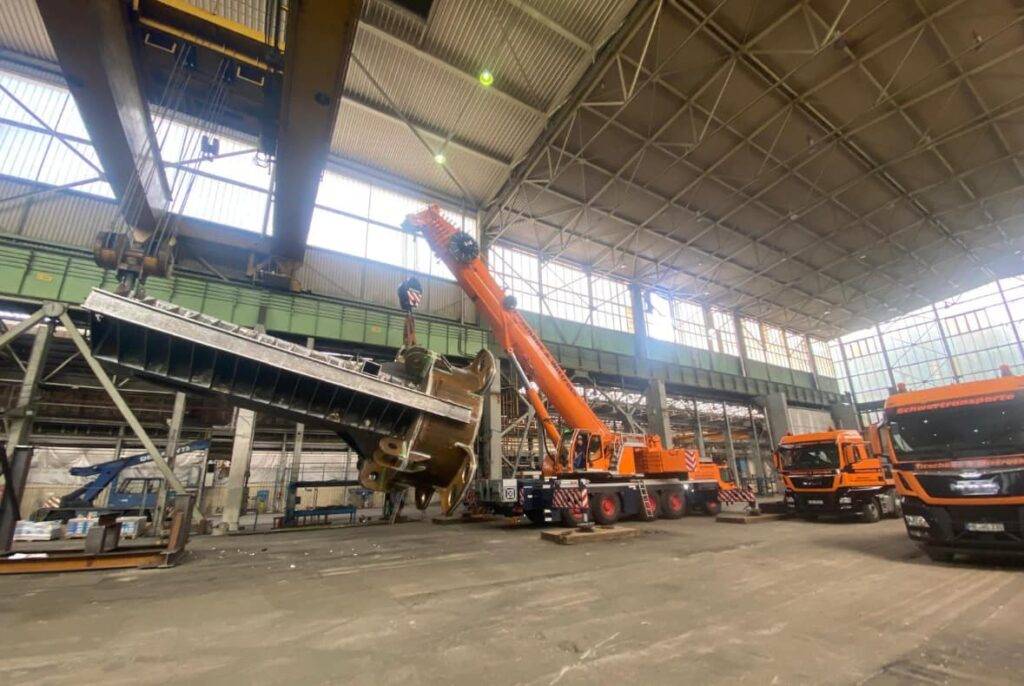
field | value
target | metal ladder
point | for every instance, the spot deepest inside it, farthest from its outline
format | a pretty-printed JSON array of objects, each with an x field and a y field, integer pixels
[
  {"x": 613, "y": 464},
  {"x": 649, "y": 508}
]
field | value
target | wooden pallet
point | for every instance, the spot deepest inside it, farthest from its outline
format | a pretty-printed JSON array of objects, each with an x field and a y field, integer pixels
[
  {"x": 594, "y": 535},
  {"x": 731, "y": 518},
  {"x": 465, "y": 519}
]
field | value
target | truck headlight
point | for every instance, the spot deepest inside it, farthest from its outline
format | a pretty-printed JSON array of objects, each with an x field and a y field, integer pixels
[
  {"x": 915, "y": 521},
  {"x": 845, "y": 500}
]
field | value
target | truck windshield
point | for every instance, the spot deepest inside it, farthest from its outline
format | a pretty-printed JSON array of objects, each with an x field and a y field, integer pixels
[
  {"x": 809, "y": 456},
  {"x": 975, "y": 427}
]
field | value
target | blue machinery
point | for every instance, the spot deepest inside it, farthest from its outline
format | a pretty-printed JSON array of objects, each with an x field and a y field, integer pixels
[
  {"x": 107, "y": 474},
  {"x": 294, "y": 516}
]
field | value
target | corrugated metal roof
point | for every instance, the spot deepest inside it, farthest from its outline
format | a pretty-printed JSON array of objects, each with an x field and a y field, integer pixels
[{"x": 22, "y": 30}]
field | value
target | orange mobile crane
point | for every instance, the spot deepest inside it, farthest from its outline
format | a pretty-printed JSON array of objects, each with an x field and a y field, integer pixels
[{"x": 592, "y": 467}]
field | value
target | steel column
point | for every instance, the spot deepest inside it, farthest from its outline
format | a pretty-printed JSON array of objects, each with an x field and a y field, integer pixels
[
  {"x": 23, "y": 414},
  {"x": 698, "y": 431},
  {"x": 173, "y": 434},
  {"x": 294, "y": 470},
  {"x": 730, "y": 449},
  {"x": 492, "y": 453},
  {"x": 241, "y": 455},
  {"x": 658, "y": 422},
  {"x": 776, "y": 411}
]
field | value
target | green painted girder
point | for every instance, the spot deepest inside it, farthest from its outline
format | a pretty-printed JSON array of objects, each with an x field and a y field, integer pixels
[{"x": 38, "y": 273}]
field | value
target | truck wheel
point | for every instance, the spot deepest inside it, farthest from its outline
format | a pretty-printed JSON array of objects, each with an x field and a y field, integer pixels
[
  {"x": 936, "y": 555},
  {"x": 871, "y": 512},
  {"x": 713, "y": 508},
  {"x": 673, "y": 504},
  {"x": 897, "y": 507},
  {"x": 605, "y": 508},
  {"x": 571, "y": 518}
]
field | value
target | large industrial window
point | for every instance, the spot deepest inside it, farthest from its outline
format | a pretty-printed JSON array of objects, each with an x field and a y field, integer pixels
[
  {"x": 517, "y": 271},
  {"x": 979, "y": 332},
  {"x": 658, "y": 317},
  {"x": 799, "y": 352},
  {"x": 690, "y": 325},
  {"x": 43, "y": 140},
  {"x": 612, "y": 304},
  {"x": 566, "y": 292},
  {"x": 969, "y": 336},
  {"x": 753, "y": 339},
  {"x": 775, "y": 345},
  {"x": 823, "y": 361},
  {"x": 723, "y": 332}
]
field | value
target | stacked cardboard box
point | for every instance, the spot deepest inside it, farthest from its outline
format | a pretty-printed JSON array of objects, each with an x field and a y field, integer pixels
[{"x": 26, "y": 530}]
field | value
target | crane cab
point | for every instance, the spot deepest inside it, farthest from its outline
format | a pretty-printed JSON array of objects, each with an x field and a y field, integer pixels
[{"x": 579, "y": 450}]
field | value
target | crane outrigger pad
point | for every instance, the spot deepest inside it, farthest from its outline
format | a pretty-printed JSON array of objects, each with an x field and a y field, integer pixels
[{"x": 411, "y": 420}]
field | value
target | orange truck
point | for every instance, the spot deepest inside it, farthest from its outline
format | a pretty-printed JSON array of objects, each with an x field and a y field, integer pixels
[
  {"x": 835, "y": 473},
  {"x": 592, "y": 470},
  {"x": 958, "y": 456}
]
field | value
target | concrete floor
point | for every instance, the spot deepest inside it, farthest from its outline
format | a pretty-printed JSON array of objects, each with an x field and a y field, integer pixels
[{"x": 688, "y": 601}]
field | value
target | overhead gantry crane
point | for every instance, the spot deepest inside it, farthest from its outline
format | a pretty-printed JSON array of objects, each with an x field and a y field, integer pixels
[{"x": 592, "y": 468}]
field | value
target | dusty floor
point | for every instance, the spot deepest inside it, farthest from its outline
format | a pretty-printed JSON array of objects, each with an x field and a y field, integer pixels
[{"x": 689, "y": 601}]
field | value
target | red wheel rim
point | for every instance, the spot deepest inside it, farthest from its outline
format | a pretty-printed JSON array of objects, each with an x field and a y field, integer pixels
[
  {"x": 652, "y": 504},
  {"x": 607, "y": 507},
  {"x": 675, "y": 501}
]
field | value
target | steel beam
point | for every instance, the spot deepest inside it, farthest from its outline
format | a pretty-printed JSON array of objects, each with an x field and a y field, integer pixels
[
  {"x": 122, "y": 405},
  {"x": 632, "y": 23},
  {"x": 92, "y": 41},
  {"x": 318, "y": 38}
]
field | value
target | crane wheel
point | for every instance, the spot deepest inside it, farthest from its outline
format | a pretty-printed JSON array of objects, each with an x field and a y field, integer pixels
[
  {"x": 713, "y": 508},
  {"x": 605, "y": 508},
  {"x": 673, "y": 504},
  {"x": 571, "y": 517}
]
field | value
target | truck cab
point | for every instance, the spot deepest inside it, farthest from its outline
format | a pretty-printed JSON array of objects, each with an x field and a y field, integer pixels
[
  {"x": 834, "y": 473},
  {"x": 958, "y": 455}
]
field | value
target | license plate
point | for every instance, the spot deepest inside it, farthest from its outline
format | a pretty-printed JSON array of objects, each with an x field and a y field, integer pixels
[
  {"x": 815, "y": 502},
  {"x": 985, "y": 526}
]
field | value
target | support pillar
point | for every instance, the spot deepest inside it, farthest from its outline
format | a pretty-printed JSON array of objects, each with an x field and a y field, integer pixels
[
  {"x": 759, "y": 470},
  {"x": 491, "y": 454},
  {"x": 658, "y": 422},
  {"x": 776, "y": 411},
  {"x": 741, "y": 343},
  {"x": 170, "y": 452},
  {"x": 730, "y": 449},
  {"x": 639, "y": 330},
  {"x": 844, "y": 415},
  {"x": 24, "y": 412},
  {"x": 294, "y": 470},
  {"x": 241, "y": 454},
  {"x": 698, "y": 431}
]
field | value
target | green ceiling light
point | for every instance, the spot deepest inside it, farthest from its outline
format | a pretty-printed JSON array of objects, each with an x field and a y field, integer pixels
[
  {"x": 486, "y": 78},
  {"x": 440, "y": 158}
]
